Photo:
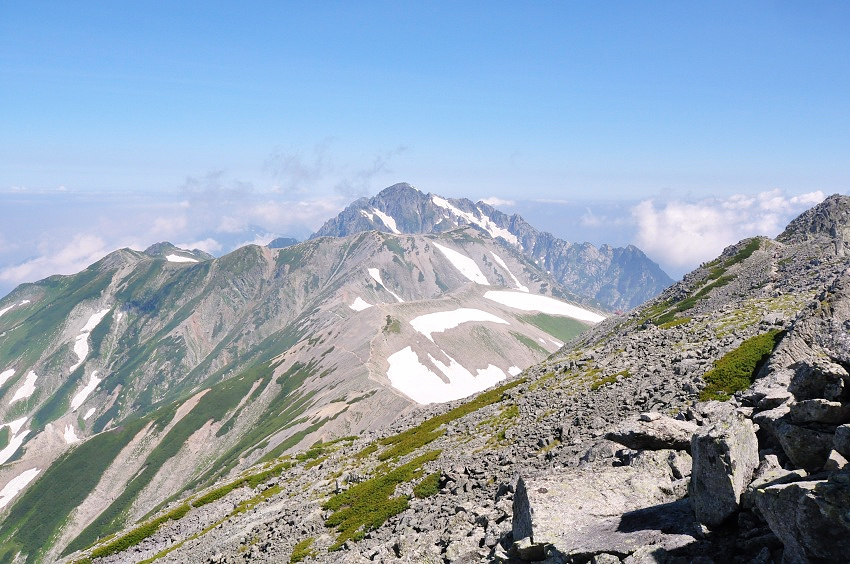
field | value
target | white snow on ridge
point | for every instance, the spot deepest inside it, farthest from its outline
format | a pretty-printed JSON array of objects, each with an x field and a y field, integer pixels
[
  {"x": 88, "y": 414},
  {"x": 360, "y": 304},
  {"x": 94, "y": 320},
  {"x": 409, "y": 376},
  {"x": 15, "y": 426},
  {"x": 27, "y": 389},
  {"x": 501, "y": 263},
  {"x": 376, "y": 276},
  {"x": 16, "y": 484},
  {"x": 5, "y": 375},
  {"x": 70, "y": 435},
  {"x": 464, "y": 264},
  {"x": 543, "y": 304},
  {"x": 388, "y": 221},
  {"x": 5, "y": 309},
  {"x": 367, "y": 215},
  {"x": 83, "y": 394},
  {"x": 514, "y": 370},
  {"x": 441, "y": 321},
  {"x": 485, "y": 223},
  {"x": 179, "y": 258}
]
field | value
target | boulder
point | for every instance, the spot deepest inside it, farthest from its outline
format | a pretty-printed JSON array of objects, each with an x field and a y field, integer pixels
[
  {"x": 612, "y": 510},
  {"x": 818, "y": 379},
  {"x": 819, "y": 411},
  {"x": 724, "y": 457},
  {"x": 810, "y": 518},
  {"x": 841, "y": 440},
  {"x": 654, "y": 432},
  {"x": 805, "y": 446}
]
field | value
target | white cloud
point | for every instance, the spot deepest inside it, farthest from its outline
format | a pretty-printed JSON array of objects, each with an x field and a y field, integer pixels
[
  {"x": 80, "y": 252},
  {"x": 496, "y": 202},
  {"x": 681, "y": 234},
  {"x": 208, "y": 245}
]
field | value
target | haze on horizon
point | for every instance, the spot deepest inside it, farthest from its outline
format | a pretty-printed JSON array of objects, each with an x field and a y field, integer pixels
[{"x": 678, "y": 127}]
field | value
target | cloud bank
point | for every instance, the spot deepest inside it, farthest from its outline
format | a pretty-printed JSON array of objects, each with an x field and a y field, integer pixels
[{"x": 680, "y": 235}]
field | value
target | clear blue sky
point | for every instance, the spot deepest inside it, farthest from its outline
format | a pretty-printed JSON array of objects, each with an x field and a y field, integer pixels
[{"x": 325, "y": 101}]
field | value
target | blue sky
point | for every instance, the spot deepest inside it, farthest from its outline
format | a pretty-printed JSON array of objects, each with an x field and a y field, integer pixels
[{"x": 125, "y": 122}]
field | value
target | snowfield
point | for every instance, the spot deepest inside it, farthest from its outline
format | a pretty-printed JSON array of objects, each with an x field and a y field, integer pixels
[
  {"x": 88, "y": 414},
  {"x": 388, "y": 221},
  {"x": 70, "y": 436},
  {"x": 83, "y": 394},
  {"x": 81, "y": 343},
  {"x": 376, "y": 276},
  {"x": 415, "y": 380},
  {"x": 5, "y": 309},
  {"x": 16, "y": 484},
  {"x": 464, "y": 264},
  {"x": 16, "y": 441},
  {"x": 27, "y": 389},
  {"x": 501, "y": 263},
  {"x": 441, "y": 321},
  {"x": 5, "y": 375},
  {"x": 484, "y": 223},
  {"x": 543, "y": 304},
  {"x": 514, "y": 370},
  {"x": 360, "y": 304},
  {"x": 179, "y": 258}
]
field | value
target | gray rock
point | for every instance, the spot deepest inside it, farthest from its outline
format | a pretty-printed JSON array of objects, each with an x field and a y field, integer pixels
[
  {"x": 805, "y": 447},
  {"x": 819, "y": 411},
  {"x": 614, "y": 510},
  {"x": 810, "y": 518},
  {"x": 655, "y": 433},
  {"x": 818, "y": 379},
  {"x": 724, "y": 458},
  {"x": 841, "y": 440}
]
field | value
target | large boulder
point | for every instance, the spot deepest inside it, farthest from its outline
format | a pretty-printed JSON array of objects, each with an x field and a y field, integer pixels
[
  {"x": 810, "y": 518},
  {"x": 818, "y": 379},
  {"x": 613, "y": 510},
  {"x": 653, "y": 431},
  {"x": 841, "y": 440},
  {"x": 819, "y": 411},
  {"x": 807, "y": 446},
  {"x": 724, "y": 457}
]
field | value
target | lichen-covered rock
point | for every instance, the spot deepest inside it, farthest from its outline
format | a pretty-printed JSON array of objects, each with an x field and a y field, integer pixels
[
  {"x": 806, "y": 446},
  {"x": 819, "y": 411},
  {"x": 724, "y": 457},
  {"x": 810, "y": 518}
]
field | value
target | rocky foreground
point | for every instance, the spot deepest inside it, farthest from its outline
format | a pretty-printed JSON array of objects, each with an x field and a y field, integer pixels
[{"x": 638, "y": 442}]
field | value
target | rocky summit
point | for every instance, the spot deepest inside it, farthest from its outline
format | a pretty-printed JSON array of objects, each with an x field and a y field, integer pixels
[
  {"x": 615, "y": 278},
  {"x": 709, "y": 425}
]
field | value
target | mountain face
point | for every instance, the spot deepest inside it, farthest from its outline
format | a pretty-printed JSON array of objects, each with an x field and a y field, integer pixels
[
  {"x": 151, "y": 374},
  {"x": 613, "y": 278},
  {"x": 711, "y": 424}
]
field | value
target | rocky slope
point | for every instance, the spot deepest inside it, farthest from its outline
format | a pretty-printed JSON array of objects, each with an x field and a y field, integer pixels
[
  {"x": 710, "y": 425},
  {"x": 153, "y": 373},
  {"x": 614, "y": 278}
]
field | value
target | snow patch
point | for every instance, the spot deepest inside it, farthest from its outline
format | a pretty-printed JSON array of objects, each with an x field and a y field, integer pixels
[
  {"x": 16, "y": 484},
  {"x": 27, "y": 389},
  {"x": 179, "y": 258},
  {"x": 501, "y": 263},
  {"x": 484, "y": 223},
  {"x": 376, "y": 276},
  {"x": 367, "y": 215},
  {"x": 5, "y": 375},
  {"x": 388, "y": 221},
  {"x": 441, "y": 321},
  {"x": 88, "y": 414},
  {"x": 70, "y": 436},
  {"x": 5, "y": 309},
  {"x": 16, "y": 425},
  {"x": 543, "y": 304},
  {"x": 464, "y": 264},
  {"x": 415, "y": 380},
  {"x": 81, "y": 343},
  {"x": 14, "y": 444},
  {"x": 514, "y": 370},
  {"x": 360, "y": 304},
  {"x": 83, "y": 394}
]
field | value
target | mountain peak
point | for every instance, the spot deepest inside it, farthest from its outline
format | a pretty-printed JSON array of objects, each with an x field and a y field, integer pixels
[{"x": 829, "y": 221}]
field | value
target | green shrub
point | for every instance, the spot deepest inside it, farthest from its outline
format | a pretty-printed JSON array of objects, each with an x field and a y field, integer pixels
[
  {"x": 429, "y": 485},
  {"x": 367, "y": 505},
  {"x": 302, "y": 550},
  {"x": 735, "y": 370}
]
